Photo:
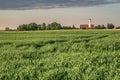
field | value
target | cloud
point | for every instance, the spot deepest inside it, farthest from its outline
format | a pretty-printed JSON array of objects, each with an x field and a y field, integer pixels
[{"x": 34, "y": 4}]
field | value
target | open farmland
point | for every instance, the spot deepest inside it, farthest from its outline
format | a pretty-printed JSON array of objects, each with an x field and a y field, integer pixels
[{"x": 60, "y": 55}]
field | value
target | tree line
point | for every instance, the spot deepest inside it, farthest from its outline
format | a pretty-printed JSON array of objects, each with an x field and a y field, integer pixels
[
  {"x": 55, "y": 26},
  {"x": 109, "y": 26},
  {"x": 43, "y": 26}
]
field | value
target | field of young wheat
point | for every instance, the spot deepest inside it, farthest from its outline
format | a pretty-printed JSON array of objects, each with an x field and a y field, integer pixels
[{"x": 60, "y": 55}]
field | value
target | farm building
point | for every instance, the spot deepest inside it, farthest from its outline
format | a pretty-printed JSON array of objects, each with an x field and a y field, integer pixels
[{"x": 87, "y": 26}]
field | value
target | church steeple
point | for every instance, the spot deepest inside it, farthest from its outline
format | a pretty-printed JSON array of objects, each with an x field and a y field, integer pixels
[{"x": 90, "y": 23}]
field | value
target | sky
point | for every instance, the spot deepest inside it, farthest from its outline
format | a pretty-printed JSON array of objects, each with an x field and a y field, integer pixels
[{"x": 66, "y": 12}]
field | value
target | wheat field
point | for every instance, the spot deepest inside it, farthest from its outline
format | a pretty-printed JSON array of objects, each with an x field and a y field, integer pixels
[{"x": 60, "y": 55}]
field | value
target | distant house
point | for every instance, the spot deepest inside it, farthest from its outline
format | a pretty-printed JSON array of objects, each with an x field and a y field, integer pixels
[{"x": 87, "y": 26}]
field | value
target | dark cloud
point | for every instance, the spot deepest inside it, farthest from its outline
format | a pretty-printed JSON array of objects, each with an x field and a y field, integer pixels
[{"x": 33, "y": 4}]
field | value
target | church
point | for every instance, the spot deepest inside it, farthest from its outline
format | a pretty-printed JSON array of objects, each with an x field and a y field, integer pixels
[{"x": 87, "y": 26}]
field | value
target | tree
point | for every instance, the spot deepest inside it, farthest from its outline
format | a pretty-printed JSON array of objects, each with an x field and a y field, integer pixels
[
  {"x": 22, "y": 27},
  {"x": 48, "y": 27},
  {"x": 66, "y": 27},
  {"x": 7, "y": 29},
  {"x": 26, "y": 27},
  {"x": 32, "y": 26},
  {"x": 100, "y": 27},
  {"x": 54, "y": 26},
  {"x": 43, "y": 26},
  {"x": 110, "y": 26},
  {"x": 97, "y": 27},
  {"x": 39, "y": 27},
  {"x": 103, "y": 27},
  {"x": 73, "y": 27}
]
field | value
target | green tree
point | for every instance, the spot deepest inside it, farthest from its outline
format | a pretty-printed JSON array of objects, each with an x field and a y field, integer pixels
[
  {"x": 22, "y": 27},
  {"x": 48, "y": 27},
  {"x": 110, "y": 26},
  {"x": 32, "y": 26},
  {"x": 103, "y": 27},
  {"x": 54, "y": 26},
  {"x": 67, "y": 27},
  {"x": 43, "y": 26},
  {"x": 100, "y": 27},
  {"x": 39, "y": 27},
  {"x": 73, "y": 27}
]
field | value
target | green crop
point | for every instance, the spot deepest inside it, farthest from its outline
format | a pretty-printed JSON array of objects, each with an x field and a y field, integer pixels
[{"x": 60, "y": 55}]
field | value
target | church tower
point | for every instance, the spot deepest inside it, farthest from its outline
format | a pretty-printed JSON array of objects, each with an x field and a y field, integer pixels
[{"x": 90, "y": 23}]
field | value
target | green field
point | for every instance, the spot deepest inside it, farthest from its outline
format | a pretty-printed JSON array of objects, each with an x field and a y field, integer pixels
[{"x": 60, "y": 55}]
